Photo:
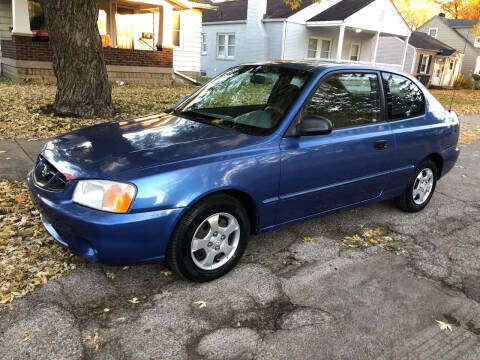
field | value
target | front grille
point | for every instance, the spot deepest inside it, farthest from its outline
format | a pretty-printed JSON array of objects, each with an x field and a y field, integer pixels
[{"x": 47, "y": 176}]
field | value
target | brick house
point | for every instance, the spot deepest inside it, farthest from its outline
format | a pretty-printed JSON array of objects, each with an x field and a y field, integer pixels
[{"x": 145, "y": 42}]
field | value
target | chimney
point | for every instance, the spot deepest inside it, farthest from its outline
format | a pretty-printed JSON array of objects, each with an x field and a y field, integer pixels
[
  {"x": 441, "y": 14},
  {"x": 255, "y": 35}
]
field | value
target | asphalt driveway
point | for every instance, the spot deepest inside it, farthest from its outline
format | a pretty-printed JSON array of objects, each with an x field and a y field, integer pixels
[{"x": 287, "y": 299}]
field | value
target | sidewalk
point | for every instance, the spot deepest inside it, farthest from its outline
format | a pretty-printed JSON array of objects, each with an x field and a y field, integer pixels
[{"x": 17, "y": 157}]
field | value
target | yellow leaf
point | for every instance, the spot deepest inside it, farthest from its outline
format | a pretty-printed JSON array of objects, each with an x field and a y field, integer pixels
[
  {"x": 120, "y": 319},
  {"x": 27, "y": 335},
  {"x": 444, "y": 325},
  {"x": 134, "y": 300},
  {"x": 201, "y": 304},
  {"x": 110, "y": 275},
  {"x": 106, "y": 309},
  {"x": 308, "y": 239}
]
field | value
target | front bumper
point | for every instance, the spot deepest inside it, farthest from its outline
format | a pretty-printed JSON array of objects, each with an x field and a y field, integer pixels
[{"x": 116, "y": 239}]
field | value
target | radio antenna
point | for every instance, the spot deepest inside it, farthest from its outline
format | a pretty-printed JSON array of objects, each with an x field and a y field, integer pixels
[{"x": 453, "y": 90}]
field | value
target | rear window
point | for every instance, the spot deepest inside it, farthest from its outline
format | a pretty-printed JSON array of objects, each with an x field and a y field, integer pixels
[{"x": 404, "y": 98}]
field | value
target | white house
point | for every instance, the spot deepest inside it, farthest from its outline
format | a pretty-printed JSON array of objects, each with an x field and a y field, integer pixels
[
  {"x": 433, "y": 62},
  {"x": 331, "y": 30},
  {"x": 144, "y": 41}
]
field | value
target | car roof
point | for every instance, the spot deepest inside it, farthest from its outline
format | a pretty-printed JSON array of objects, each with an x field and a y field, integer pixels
[{"x": 315, "y": 66}]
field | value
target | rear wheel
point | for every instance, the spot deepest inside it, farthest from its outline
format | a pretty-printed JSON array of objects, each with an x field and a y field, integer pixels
[
  {"x": 210, "y": 239},
  {"x": 420, "y": 188}
]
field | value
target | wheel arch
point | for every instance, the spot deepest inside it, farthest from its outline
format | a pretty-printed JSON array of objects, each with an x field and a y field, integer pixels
[
  {"x": 245, "y": 199},
  {"x": 438, "y": 160}
]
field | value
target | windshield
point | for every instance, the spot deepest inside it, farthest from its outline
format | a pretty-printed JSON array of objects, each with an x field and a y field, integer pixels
[{"x": 252, "y": 99}]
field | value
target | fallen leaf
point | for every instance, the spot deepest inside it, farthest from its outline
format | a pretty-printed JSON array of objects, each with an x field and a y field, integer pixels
[
  {"x": 106, "y": 309},
  {"x": 120, "y": 319},
  {"x": 444, "y": 325},
  {"x": 125, "y": 267},
  {"x": 308, "y": 239},
  {"x": 110, "y": 275},
  {"x": 93, "y": 336},
  {"x": 167, "y": 273},
  {"x": 201, "y": 304},
  {"x": 27, "y": 335},
  {"x": 134, "y": 300}
]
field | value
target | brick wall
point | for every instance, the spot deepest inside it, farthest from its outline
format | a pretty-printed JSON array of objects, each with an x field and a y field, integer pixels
[{"x": 25, "y": 48}]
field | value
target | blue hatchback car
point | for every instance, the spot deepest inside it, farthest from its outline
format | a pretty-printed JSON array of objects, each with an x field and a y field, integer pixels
[{"x": 260, "y": 146}]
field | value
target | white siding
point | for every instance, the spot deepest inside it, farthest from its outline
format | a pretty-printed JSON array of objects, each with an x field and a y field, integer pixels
[
  {"x": 390, "y": 51},
  {"x": 275, "y": 35},
  {"x": 296, "y": 41},
  {"x": 209, "y": 62},
  {"x": 186, "y": 57},
  {"x": 5, "y": 18}
]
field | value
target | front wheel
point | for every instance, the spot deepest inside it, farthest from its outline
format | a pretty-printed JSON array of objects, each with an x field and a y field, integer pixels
[
  {"x": 420, "y": 188},
  {"x": 209, "y": 239}
]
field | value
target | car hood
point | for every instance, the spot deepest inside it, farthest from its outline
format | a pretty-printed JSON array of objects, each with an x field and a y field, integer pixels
[{"x": 110, "y": 149}]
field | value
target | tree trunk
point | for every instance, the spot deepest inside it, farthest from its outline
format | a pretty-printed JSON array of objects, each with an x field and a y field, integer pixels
[{"x": 82, "y": 82}]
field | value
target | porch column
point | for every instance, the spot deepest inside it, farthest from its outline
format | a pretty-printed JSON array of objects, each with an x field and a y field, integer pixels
[
  {"x": 167, "y": 30},
  {"x": 20, "y": 18},
  {"x": 375, "y": 48},
  {"x": 405, "y": 52},
  {"x": 341, "y": 35}
]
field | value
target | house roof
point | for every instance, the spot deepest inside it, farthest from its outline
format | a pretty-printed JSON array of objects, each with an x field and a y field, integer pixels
[
  {"x": 237, "y": 10},
  {"x": 458, "y": 23},
  {"x": 341, "y": 10},
  {"x": 421, "y": 40},
  {"x": 226, "y": 11}
]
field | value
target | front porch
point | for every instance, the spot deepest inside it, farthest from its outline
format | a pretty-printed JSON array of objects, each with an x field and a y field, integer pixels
[
  {"x": 347, "y": 44},
  {"x": 138, "y": 41}
]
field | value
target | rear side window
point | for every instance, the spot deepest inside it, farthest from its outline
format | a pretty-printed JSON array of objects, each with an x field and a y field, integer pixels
[
  {"x": 347, "y": 99},
  {"x": 404, "y": 98}
]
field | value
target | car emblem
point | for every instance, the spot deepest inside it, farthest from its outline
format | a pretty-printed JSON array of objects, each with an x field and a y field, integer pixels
[{"x": 45, "y": 171}]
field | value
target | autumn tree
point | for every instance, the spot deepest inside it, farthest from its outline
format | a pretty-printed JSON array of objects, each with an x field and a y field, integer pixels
[
  {"x": 78, "y": 63},
  {"x": 462, "y": 9}
]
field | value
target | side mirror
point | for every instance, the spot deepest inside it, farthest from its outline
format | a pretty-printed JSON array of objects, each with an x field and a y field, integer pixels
[{"x": 314, "y": 125}]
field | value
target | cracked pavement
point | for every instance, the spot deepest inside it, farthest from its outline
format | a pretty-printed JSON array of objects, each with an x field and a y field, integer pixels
[{"x": 287, "y": 298}]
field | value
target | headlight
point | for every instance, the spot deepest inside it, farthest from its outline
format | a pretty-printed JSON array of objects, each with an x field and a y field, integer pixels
[{"x": 105, "y": 195}]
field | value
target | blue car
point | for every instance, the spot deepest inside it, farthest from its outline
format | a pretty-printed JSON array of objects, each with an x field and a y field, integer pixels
[{"x": 260, "y": 146}]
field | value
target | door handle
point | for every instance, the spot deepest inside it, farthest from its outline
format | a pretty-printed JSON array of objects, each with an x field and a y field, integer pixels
[{"x": 380, "y": 144}]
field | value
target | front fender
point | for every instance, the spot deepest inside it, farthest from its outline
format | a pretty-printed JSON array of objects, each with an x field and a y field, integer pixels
[{"x": 255, "y": 174}]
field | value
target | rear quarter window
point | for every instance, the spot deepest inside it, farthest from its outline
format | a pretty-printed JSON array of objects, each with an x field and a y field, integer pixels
[{"x": 404, "y": 98}]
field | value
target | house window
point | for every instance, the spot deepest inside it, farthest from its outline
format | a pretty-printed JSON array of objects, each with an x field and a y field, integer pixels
[
  {"x": 176, "y": 29},
  {"x": 226, "y": 46},
  {"x": 477, "y": 42},
  {"x": 204, "y": 44},
  {"x": 452, "y": 64},
  {"x": 319, "y": 48},
  {"x": 433, "y": 32},
  {"x": 355, "y": 52},
  {"x": 424, "y": 64}
]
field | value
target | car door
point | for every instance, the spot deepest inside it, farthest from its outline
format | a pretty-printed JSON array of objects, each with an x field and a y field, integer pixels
[{"x": 320, "y": 173}]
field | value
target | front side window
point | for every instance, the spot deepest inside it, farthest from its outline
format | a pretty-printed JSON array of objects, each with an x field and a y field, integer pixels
[
  {"x": 37, "y": 17},
  {"x": 347, "y": 99},
  {"x": 176, "y": 29},
  {"x": 433, "y": 32},
  {"x": 226, "y": 46},
  {"x": 251, "y": 98},
  {"x": 404, "y": 98},
  {"x": 318, "y": 48},
  {"x": 477, "y": 42}
]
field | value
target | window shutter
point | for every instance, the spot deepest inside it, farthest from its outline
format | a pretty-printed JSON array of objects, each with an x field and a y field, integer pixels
[
  {"x": 420, "y": 63},
  {"x": 429, "y": 62}
]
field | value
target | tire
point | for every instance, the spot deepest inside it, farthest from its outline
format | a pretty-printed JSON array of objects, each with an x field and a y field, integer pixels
[
  {"x": 219, "y": 248},
  {"x": 414, "y": 199}
]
